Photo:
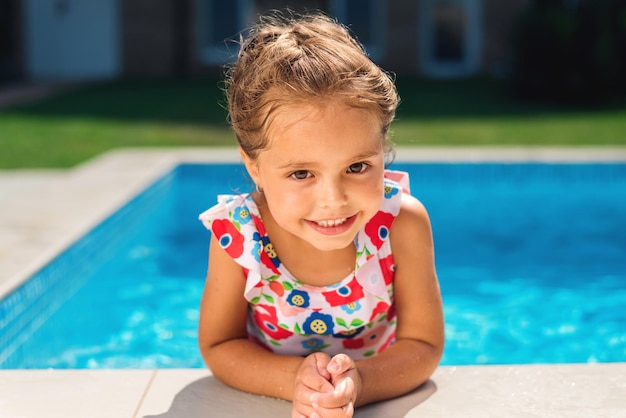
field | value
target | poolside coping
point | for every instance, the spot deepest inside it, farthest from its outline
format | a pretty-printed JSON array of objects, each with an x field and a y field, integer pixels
[
  {"x": 582, "y": 390},
  {"x": 44, "y": 211}
]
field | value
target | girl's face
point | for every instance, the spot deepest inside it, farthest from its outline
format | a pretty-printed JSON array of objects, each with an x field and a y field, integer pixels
[{"x": 322, "y": 173}]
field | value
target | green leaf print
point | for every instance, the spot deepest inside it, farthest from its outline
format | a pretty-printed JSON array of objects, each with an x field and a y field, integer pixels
[
  {"x": 297, "y": 329},
  {"x": 276, "y": 343},
  {"x": 369, "y": 353},
  {"x": 284, "y": 326},
  {"x": 269, "y": 298},
  {"x": 255, "y": 300},
  {"x": 341, "y": 322},
  {"x": 356, "y": 322},
  {"x": 287, "y": 286}
]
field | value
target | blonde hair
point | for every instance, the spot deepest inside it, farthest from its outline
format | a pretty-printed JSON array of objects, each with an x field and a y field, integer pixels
[{"x": 296, "y": 59}]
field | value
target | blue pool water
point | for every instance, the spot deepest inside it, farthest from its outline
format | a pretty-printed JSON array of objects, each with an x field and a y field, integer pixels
[{"x": 531, "y": 260}]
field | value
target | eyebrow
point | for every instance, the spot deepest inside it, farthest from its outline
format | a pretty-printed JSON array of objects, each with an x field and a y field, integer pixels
[{"x": 295, "y": 165}]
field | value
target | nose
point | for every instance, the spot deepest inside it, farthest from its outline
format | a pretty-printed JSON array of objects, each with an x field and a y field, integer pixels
[{"x": 332, "y": 193}]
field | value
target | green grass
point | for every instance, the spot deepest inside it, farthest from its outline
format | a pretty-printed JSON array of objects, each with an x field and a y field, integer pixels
[{"x": 76, "y": 125}]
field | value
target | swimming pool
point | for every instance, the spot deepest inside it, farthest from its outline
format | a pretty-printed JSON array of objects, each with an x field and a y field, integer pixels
[{"x": 530, "y": 259}]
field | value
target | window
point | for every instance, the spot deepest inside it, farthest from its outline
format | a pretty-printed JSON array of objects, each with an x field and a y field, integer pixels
[
  {"x": 367, "y": 20},
  {"x": 450, "y": 37},
  {"x": 219, "y": 24}
]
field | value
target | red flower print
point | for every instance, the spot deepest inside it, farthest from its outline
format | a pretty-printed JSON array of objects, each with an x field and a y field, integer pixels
[
  {"x": 377, "y": 229},
  {"x": 366, "y": 340},
  {"x": 354, "y": 343},
  {"x": 390, "y": 340},
  {"x": 381, "y": 307},
  {"x": 388, "y": 268},
  {"x": 268, "y": 322},
  {"x": 351, "y": 292},
  {"x": 268, "y": 255},
  {"x": 277, "y": 287},
  {"x": 391, "y": 313},
  {"x": 259, "y": 342},
  {"x": 230, "y": 239}
]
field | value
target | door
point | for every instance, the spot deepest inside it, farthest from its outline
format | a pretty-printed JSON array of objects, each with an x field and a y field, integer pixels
[
  {"x": 450, "y": 37},
  {"x": 71, "y": 40}
]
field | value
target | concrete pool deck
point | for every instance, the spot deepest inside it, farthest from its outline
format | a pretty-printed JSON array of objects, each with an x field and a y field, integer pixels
[{"x": 44, "y": 211}]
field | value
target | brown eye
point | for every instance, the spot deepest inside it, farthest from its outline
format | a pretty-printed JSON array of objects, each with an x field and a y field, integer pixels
[
  {"x": 300, "y": 174},
  {"x": 357, "y": 168}
]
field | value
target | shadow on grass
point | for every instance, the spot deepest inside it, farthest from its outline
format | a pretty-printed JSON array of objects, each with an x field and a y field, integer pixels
[
  {"x": 190, "y": 102},
  {"x": 478, "y": 98},
  {"x": 201, "y": 102}
]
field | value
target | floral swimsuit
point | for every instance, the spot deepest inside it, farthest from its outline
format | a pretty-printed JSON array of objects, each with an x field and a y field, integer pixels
[{"x": 355, "y": 316}]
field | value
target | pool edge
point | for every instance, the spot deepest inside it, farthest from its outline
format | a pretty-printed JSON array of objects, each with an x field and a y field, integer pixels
[
  {"x": 41, "y": 222},
  {"x": 464, "y": 391}
]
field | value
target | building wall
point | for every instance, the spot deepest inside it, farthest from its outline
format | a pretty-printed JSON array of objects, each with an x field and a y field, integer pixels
[
  {"x": 402, "y": 37},
  {"x": 11, "y": 59},
  {"x": 71, "y": 40},
  {"x": 157, "y": 37},
  {"x": 499, "y": 23}
]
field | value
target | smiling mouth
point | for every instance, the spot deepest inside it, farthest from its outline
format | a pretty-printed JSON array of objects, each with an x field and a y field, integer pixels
[
  {"x": 333, "y": 226},
  {"x": 331, "y": 222}
]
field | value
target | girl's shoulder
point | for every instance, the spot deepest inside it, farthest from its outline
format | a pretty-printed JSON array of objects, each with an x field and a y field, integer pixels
[
  {"x": 396, "y": 185},
  {"x": 239, "y": 209},
  {"x": 410, "y": 215},
  {"x": 398, "y": 195}
]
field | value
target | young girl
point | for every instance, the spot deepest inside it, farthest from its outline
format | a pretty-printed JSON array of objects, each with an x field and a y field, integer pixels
[{"x": 321, "y": 287}]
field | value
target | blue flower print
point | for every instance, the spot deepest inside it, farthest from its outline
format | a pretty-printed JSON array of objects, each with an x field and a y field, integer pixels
[
  {"x": 298, "y": 298},
  {"x": 390, "y": 191},
  {"x": 351, "y": 307},
  {"x": 318, "y": 323},
  {"x": 313, "y": 344},
  {"x": 257, "y": 247},
  {"x": 350, "y": 334},
  {"x": 242, "y": 214}
]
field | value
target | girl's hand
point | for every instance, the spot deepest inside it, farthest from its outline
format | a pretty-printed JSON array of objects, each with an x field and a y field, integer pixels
[
  {"x": 346, "y": 382},
  {"x": 312, "y": 378}
]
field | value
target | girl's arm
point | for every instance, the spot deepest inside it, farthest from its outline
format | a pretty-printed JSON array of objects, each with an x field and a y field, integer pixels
[
  {"x": 223, "y": 339},
  {"x": 402, "y": 367},
  {"x": 414, "y": 356}
]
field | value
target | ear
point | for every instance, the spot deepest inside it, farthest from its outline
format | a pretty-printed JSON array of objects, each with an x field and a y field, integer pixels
[{"x": 251, "y": 167}]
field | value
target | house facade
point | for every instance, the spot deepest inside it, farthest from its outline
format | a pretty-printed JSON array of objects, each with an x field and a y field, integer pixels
[{"x": 104, "y": 39}]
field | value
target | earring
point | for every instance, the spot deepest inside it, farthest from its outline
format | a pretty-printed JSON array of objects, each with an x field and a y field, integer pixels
[{"x": 259, "y": 189}]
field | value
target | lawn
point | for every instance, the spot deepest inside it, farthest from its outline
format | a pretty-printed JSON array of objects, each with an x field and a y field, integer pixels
[{"x": 73, "y": 126}]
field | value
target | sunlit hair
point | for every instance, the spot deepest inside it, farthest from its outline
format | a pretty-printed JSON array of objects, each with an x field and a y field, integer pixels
[{"x": 298, "y": 59}]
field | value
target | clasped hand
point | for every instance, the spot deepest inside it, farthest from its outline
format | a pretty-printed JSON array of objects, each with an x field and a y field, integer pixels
[{"x": 326, "y": 387}]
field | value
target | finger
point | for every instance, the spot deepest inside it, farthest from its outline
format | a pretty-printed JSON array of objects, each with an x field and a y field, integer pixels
[
  {"x": 343, "y": 394},
  {"x": 313, "y": 373},
  {"x": 345, "y": 411},
  {"x": 296, "y": 414},
  {"x": 321, "y": 363},
  {"x": 315, "y": 382},
  {"x": 301, "y": 411},
  {"x": 339, "y": 364}
]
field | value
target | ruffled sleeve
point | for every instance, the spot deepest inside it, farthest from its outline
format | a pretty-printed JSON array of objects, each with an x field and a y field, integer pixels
[
  {"x": 374, "y": 265},
  {"x": 233, "y": 221}
]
